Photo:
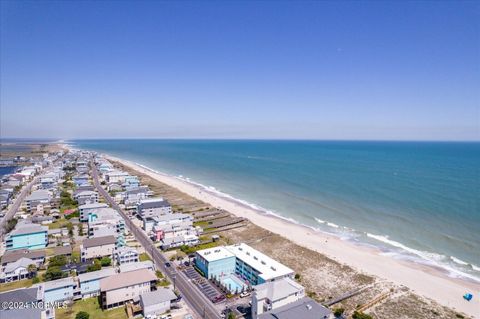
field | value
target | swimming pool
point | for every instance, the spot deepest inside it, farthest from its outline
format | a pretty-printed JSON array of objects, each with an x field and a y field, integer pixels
[{"x": 233, "y": 284}]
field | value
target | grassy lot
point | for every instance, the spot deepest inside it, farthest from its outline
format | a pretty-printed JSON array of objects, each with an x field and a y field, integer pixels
[
  {"x": 58, "y": 224},
  {"x": 189, "y": 250},
  {"x": 201, "y": 224},
  {"x": 25, "y": 283},
  {"x": 144, "y": 257},
  {"x": 91, "y": 306}
]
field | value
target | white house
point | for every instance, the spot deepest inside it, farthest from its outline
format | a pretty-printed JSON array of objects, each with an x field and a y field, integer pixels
[{"x": 274, "y": 294}]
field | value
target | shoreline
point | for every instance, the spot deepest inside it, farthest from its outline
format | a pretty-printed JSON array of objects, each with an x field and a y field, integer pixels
[{"x": 427, "y": 281}]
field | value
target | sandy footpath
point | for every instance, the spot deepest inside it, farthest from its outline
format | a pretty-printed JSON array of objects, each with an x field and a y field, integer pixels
[{"x": 426, "y": 281}]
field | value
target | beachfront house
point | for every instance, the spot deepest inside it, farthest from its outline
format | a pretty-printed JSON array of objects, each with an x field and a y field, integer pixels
[
  {"x": 118, "y": 289},
  {"x": 274, "y": 294},
  {"x": 134, "y": 195},
  {"x": 27, "y": 236},
  {"x": 116, "y": 177},
  {"x": 97, "y": 247},
  {"x": 305, "y": 308},
  {"x": 166, "y": 219},
  {"x": 150, "y": 207}
]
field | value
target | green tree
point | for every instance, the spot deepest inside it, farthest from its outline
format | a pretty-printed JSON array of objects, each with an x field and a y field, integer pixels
[
  {"x": 53, "y": 273},
  {"x": 80, "y": 229},
  {"x": 60, "y": 260},
  {"x": 32, "y": 270},
  {"x": 105, "y": 261},
  {"x": 82, "y": 315},
  {"x": 70, "y": 229},
  {"x": 231, "y": 315},
  {"x": 96, "y": 266},
  {"x": 10, "y": 225}
]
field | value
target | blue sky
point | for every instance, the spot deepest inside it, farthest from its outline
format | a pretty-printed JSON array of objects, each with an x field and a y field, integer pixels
[{"x": 308, "y": 70}]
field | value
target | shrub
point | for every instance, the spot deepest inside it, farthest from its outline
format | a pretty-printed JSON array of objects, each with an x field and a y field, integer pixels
[
  {"x": 297, "y": 277},
  {"x": 35, "y": 280},
  {"x": 361, "y": 315},
  {"x": 82, "y": 315},
  {"x": 97, "y": 265},
  {"x": 338, "y": 312},
  {"x": 60, "y": 260},
  {"x": 10, "y": 225},
  {"x": 105, "y": 261},
  {"x": 53, "y": 273}
]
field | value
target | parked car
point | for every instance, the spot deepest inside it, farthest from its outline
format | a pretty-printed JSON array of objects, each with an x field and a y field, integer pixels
[
  {"x": 244, "y": 294},
  {"x": 167, "y": 264},
  {"x": 218, "y": 298}
]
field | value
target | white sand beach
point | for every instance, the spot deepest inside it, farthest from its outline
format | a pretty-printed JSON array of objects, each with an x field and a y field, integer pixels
[{"x": 423, "y": 280}]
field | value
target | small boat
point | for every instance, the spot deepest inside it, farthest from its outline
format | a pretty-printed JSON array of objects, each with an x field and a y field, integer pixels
[{"x": 468, "y": 296}]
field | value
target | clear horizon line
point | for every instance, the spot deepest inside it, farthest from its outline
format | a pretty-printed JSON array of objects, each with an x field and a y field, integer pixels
[{"x": 236, "y": 139}]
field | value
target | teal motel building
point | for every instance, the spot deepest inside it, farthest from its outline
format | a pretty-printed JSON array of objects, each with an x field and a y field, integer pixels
[{"x": 27, "y": 236}]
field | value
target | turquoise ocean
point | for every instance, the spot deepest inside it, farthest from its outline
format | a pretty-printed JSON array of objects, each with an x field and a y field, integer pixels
[{"x": 418, "y": 201}]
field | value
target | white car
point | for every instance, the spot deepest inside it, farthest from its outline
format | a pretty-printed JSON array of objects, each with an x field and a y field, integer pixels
[{"x": 244, "y": 294}]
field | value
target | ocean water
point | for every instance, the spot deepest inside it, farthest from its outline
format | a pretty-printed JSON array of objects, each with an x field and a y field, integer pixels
[
  {"x": 414, "y": 200},
  {"x": 4, "y": 170}
]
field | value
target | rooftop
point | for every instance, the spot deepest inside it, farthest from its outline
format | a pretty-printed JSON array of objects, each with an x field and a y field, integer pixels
[
  {"x": 278, "y": 289},
  {"x": 304, "y": 308},
  {"x": 27, "y": 228},
  {"x": 99, "y": 241},
  {"x": 62, "y": 250},
  {"x": 266, "y": 266},
  {"x": 105, "y": 272},
  {"x": 38, "y": 195},
  {"x": 157, "y": 296},
  {"x": 127, "y": 279},
  {"x": 215, "y": 253},
  {"x": 20, "y": 295},
  {"x": 93, "y": 205},
  {"x": 14, "y": 255},
  {"x": 147, "y": 264},
  {"x": 22, "y": 262},
  {"x": 59, "y": 283}
]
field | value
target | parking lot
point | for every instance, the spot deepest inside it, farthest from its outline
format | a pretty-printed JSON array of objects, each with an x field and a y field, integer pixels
[{"x": 206, "y": 287}]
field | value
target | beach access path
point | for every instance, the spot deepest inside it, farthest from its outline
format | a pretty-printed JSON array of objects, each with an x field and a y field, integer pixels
[
  {"x": 191, "y": 294},
  {"x": 424, "y": 280}
]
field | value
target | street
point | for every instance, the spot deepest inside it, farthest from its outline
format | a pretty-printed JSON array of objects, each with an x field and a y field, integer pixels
[{"x": 192, "y": 296}]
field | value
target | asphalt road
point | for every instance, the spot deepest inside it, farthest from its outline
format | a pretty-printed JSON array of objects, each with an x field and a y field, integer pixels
[
  {"x": 189, "y": 291},
  {"x": 16, "y": 205}
]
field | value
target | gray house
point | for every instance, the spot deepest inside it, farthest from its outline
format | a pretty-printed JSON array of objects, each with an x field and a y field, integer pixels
[{"x": 156, "y": 302}]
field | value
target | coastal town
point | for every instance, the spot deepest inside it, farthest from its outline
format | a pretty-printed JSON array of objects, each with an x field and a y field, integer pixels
[
  {"x": 85, "y": 236},
  {"x": 82, "y": 237}
]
